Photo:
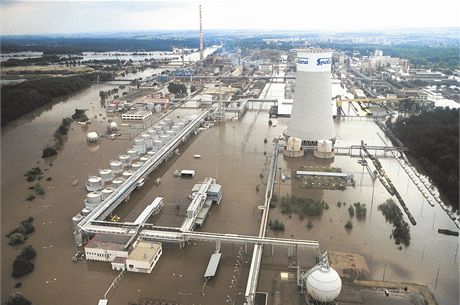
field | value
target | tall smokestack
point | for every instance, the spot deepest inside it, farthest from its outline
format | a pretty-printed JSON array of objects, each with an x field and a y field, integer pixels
[{"x": 201, "y": 36}]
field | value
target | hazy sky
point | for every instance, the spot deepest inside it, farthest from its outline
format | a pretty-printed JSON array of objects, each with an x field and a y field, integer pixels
[{"x": 49, "y": 17}]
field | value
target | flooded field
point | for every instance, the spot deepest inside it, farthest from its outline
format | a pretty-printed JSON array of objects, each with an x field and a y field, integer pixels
[{"x": 235, "y": 154}]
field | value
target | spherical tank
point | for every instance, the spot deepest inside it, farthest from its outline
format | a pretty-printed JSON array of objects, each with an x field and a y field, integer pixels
[
  {"x": 324, "y": 284},
  {"x": 92, "y": 137}
]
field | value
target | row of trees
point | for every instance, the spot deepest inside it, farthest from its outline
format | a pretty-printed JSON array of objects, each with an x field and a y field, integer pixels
[
  {"x": 19, "y": 99},
  {"x": 432, "y": 138}
]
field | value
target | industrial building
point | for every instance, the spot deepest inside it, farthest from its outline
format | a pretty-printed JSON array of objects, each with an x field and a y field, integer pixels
[
  {"x": 106, "y": 247},
  {"x": 143, "y": 257},
  {"x": 136, "y": 115},
  {"x": 311, "y": 119}
]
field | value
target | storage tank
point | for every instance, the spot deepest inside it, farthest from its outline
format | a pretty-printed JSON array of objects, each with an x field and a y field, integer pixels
[
  {"x": 138, "y": 141},
  {"x": 163, "y": 125},
  {"x": 158, "y": 143},
  {"x": 116, "y": 166},
  {"x": 323, "y": 284},
  {"x": 321, "y": 146},
  {"x": 117, "y": 182},
  {"x": 169, "y": 122},
  {"x": 136, "y": 165},
  {"x": 125, "y": 160},
  {"x": 112, "y": 127},
  {"x": 152, "y": 133},
  {"x": 106, "y": 175},
  {"x": 170, "y": 133},
  {"x": 107, "y": 192},
  {"x": 93, "y": 199},
  {"x": 76, "y": 219},
  {"x": 92, "y": 137},
  {"x": 85, "y": 212},
  {"x": 152, "y": 152},
  {"x": 176, "y": 129},
  {"x": 158, "y": 129},
  {"x": 127, "y": 173},
  {"x": 94, "y": 183},
  {"x": 141, "y": 149},
  {"x": 180, "y": 125},
  {"x": 164, "y": 138},
  {"x": 311, "y": 118},
  {"x": 147, "y": 140},
  {"x": 145, "y": 158},
  {"x": 133, "y": 154}
]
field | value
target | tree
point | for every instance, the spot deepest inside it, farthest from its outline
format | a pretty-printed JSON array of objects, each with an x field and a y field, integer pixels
[
  {"x": 28, "y": 253},
  {"x": 17, "y": 298},
  {"x": 16, "y": 239},
  {"x": 22, "y": 267}
]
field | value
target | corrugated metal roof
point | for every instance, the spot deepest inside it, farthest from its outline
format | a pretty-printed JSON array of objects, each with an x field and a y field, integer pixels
[{"x": 213, "y": 264}]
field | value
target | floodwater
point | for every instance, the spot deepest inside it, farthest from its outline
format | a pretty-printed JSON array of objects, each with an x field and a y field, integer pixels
[{"x": 234, "y": 154}]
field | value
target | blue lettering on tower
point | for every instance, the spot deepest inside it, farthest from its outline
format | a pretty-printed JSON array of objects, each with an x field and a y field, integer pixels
[
  {"x": 323, "y": 61},
  {"x": 302, "y": 60}
]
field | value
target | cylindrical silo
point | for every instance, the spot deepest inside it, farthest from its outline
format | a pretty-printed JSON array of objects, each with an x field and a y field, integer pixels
[
  {"x": 106, "y": 175},
  {"x": 117, "y": 182},
  {"x": 145, "y": 158},
  {"x": 107, "y": 192},
  {"x": 127, "y": 173},
  {"x": 125, "y": 160},
  {"x": 85, "y": 211},
  {"x": 136, "y": 165},
  {"x": 116, "y": 166},
  {"x": 152, "y": 152},
  {"x": 93, "y": 199},
  {"x": 311, "y": 117},
  {"x": 147, "y": 140},
  {"x": 133, "y": 154},
  {"x": 76, "y": 219},
  {"x": 94, "y": 183}
]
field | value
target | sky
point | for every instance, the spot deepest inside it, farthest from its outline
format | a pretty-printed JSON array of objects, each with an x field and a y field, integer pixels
[{"x": 67, "y": 17}]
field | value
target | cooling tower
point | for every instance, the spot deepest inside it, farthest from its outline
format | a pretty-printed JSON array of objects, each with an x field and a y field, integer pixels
[{"x": 311, "y": 117}]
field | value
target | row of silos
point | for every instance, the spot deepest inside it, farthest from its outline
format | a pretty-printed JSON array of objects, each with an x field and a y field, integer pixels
[{"x": 144, "y": 147}]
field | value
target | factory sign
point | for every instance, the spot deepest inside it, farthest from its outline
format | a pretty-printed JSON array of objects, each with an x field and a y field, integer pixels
[{"x": 314, "y": 61}]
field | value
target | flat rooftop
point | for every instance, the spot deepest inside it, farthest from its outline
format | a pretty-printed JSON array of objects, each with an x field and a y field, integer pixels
[
  {"x": 108, "y": 242},
  {"x": 144, "y": 251}
]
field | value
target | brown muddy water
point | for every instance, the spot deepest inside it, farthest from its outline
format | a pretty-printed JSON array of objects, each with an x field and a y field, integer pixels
[{"x": 178, "y": 275}]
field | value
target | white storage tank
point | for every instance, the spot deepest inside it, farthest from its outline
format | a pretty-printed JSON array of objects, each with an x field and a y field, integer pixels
[
  {"x": 112, "y": 127},
  {"x": 147, "y": 140},
  {"x": 152, "y": 152},
  {"x": 93, "y": 199},
  {"x": 117, "y": 182},
  {"x": 176, "y": 128},
  {"x": 152, "y": 133},
  {"x": 125, "y": 160},
  {"x": 107, "y": 192},
  {"x": 116, "y": 166},
  {"x": 92, "y": 137},
  {"x": 164, "y": 138},
  {"x": 324, "y": 284},
  {"x": 180, "y": 125},
  {"x": 133, "y": 155},
  {"x": 321, "y": 146},
  {"x": 94, "y": 183},
  {"x": 76, "y": 219},
  {"x": 164, "y": 125},
  {"x": 158, "y": 129},
  {"x": 136, "y": 165},
  {"x": 141, "y": 149},
  {"x": 85, "y": 212},
  {"x": 169, "y": 122},
  {"x": 127, "y": 173},
  {"x": 145, "y": 158},
  {"x": 170, "y": 133},
  {"x": 106, "y": 175},
  {"x": 158, "y": 143}
]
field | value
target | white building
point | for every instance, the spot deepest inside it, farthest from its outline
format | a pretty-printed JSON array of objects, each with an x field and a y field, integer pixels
[
  {"x": 106, "y": 247},
  {"x": 143, "y": 257},
  {"x": 136, "y": 115}
]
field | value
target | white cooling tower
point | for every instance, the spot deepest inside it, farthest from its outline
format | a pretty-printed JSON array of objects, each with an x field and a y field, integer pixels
[{"x": 311, "y": 118}]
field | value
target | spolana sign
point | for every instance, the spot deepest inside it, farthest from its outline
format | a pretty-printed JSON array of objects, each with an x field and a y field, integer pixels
[{"x": 314, "y": 62}]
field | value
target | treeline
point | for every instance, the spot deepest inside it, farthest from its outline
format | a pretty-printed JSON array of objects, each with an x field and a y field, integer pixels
[
  {"x": 19, "y": 99},
  {"x": 39, "y": 61},
  {"x": 60, "y": 45},
  {"x": 432, "y": 138},
  {"x": 441, "y": 57}
]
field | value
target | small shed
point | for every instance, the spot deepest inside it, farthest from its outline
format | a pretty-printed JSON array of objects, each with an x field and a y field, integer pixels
[{"x": 212, "y": 266}]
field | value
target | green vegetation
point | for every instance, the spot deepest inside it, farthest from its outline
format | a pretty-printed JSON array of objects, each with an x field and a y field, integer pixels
[
  {"x": 30, "y": 197},
  {"x": 27, "y": 253},
  {"x": 16, "y": 239},
  {"x": 80, "y": 115},
  {"x": 33, "y": 174},
  {"x": 325, "y": 183},
  {"x": 348, "y": 225},
  {"x": 361, "y": 210},
  {"x": 25, "y": 227},
  {"x": 276, "y": 225},
  {"x": 17, "y": 298},
  {"x": 339, "y": 204},
  {"x": 21, "y": 98},
  {"x": 351, "y": 211},
  {"x": 393, "y": 215},
  {"x": 302, "y": 206},
  {"x": 39, "y": 189},
  {"x": 177, "y": 88},
  {"x": 48, "y": 152},
  {"x": 432, "y": 138},
  {"x": 321, "y": 169},
  {"x": 440, "y": 57},
  {"x": 22, "y": 267},
  {"x": 38, "y": 61},
  {"x": 309, "y": 225}
]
